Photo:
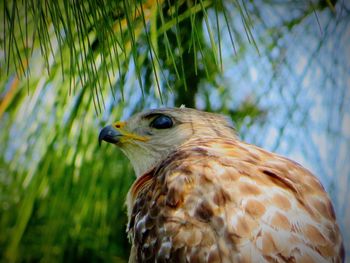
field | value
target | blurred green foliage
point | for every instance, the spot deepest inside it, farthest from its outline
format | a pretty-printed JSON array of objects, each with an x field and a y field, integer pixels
[{"x": 62, "y": 199}]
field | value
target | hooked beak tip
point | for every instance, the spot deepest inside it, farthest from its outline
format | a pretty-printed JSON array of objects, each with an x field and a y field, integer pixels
[{"x": 109, "y": 134}]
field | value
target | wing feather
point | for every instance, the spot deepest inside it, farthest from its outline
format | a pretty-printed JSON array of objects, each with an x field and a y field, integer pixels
[{"x": 227, "y": 201}]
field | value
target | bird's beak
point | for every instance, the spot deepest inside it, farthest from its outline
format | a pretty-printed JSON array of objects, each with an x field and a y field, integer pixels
[
  {"x": 109, "y": 134},
  {"x": 117, "y": 134}
]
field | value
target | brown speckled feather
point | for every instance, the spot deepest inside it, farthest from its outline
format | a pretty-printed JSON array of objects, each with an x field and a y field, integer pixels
[{"x": 227, "y": 201}]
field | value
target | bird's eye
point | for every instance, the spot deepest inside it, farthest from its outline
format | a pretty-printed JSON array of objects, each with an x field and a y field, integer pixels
[{"x": 162, "y": 122}]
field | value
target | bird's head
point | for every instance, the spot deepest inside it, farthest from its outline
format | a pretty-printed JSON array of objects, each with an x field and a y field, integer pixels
[{"x": 148, "y": 137}]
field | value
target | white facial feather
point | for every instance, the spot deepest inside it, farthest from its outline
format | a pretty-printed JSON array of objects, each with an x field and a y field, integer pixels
[{"x": 188, "y": 124}]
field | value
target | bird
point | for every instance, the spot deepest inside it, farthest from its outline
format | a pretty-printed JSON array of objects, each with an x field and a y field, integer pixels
[{"x": 203, "y": 195}]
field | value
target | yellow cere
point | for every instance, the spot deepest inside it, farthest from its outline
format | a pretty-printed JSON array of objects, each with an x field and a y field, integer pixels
[{"x": 119, "y": 125}]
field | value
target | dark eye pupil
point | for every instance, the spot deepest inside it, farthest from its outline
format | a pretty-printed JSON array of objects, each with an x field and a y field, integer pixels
[{"x": 162, "y": 122}]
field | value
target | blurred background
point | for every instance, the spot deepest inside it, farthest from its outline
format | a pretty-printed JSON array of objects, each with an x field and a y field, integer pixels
[{"x": 279, "y": 69}]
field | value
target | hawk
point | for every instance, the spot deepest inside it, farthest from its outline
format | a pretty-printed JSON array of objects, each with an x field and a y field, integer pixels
[{"x": 202, "y": 195}]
